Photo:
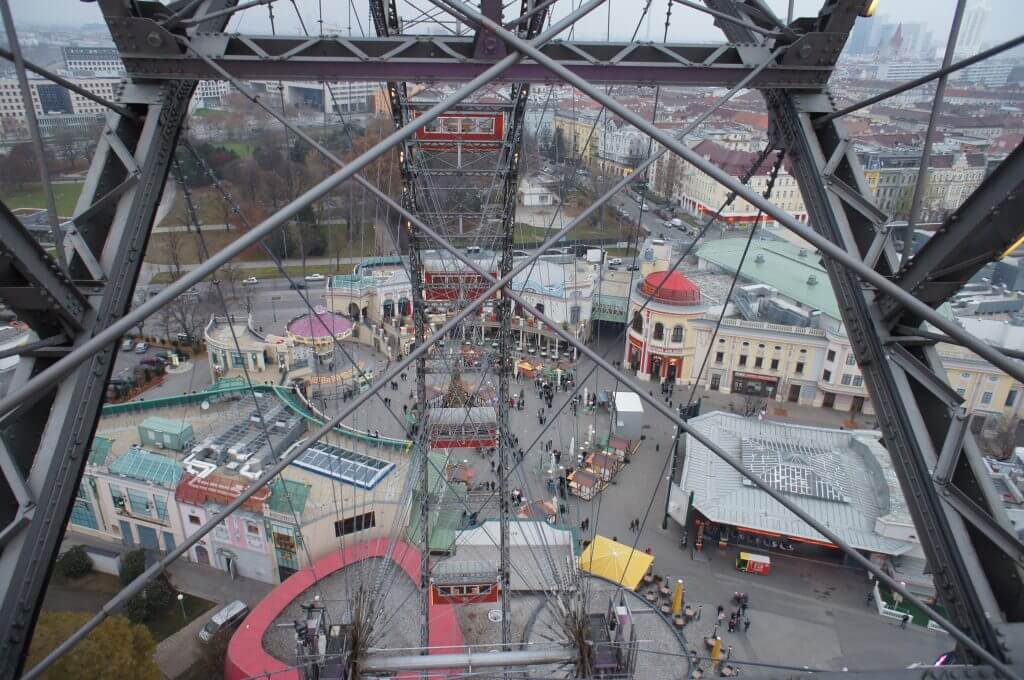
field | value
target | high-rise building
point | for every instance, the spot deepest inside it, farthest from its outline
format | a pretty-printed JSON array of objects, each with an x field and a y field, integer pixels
[{"x": 973, "y": 29}]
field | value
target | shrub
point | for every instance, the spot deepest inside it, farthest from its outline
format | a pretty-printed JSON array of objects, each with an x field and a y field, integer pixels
[
  {"x": 159, "y": 593},
  {"x": 132, "y": 564},
  {"x": 75, "y": 563},
  {"x": 137, "y": 609}
]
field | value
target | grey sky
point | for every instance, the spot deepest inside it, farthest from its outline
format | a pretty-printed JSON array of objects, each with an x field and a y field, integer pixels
[{"x": 686, "y": 25}]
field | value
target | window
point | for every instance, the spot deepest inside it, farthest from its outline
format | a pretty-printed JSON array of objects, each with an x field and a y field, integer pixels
[
  {"x": 858, "y": 381},
  {"x": 774, "y": 365},
  {"x": 659, "y": 331},
  {"x": 986, "y": 398},
  {"x": 758, "y": 362},
  {"x": 236, "y": 360},
  {"x": 574, "y": 314},
  {"x": 638, "y": 322},
  {"x": 1011, "y": 398},
  {"x": 851, "y": 360},
  {"x": 677, "y": 334},
  {"x": 161, "y": 507},
  {"x": 799, "y": 368},
  {"x": 719, "y": 357},
  {"x": 761, "y": 346},
  {"x": 139, "y": 503},
  {"x": 194, "y": 519},
  {"x": 826, "y": 375},
  {"x": 117, "y": 495},
  {"x": 831, "y": 356},
  {"x": 743, "y": 360},
  {"x": 993, "y": 378},
  {"x": 252, "y": 529},
  {"x": 847, "y": 379},
  {"x": 746, "y": 344},
  {"x": 778, "y": 348},
  {"x": 721, "y": 341},
  {"x": 82, "y": 514},
  {"x": 965, "y": 375},
  {"x": 961, "y": 391},
  {"x": 344, "y": 527}
]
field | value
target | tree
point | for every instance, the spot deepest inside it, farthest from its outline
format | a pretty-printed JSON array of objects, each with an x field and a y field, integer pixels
[
  {"x": 114, "y": 649},
  {"x": 75, "y": 563},
  {"x": 18, "y": 167},
  {"x": 132, "y": 565}
]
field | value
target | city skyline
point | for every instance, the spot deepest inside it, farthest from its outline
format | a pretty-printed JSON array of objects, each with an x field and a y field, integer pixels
[{"x": 686, "y": 24}]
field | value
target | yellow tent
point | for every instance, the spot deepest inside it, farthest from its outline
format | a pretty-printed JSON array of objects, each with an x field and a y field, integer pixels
[{"x": 615, "y": 561}]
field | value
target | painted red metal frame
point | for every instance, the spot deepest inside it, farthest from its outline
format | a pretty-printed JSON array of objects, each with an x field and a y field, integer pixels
[{"x": 246, "y": 657}]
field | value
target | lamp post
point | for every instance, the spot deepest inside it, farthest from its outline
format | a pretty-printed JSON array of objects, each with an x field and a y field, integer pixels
[{"x": 181, "y": 601}]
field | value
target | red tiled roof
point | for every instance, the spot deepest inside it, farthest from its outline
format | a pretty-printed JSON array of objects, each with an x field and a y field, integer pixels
[{"x": 217, "y": 489}]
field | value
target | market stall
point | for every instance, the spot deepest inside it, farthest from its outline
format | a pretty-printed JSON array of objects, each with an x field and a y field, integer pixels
[
  {"x": 616, "y": 562},
  {"x": 586, "y": 484}
]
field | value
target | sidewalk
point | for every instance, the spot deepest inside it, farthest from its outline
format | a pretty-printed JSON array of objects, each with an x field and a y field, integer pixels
[{"x": 178, "y": 652}]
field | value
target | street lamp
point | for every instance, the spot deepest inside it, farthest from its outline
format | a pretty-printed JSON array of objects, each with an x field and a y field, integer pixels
[{"x": 181, "y": 601}]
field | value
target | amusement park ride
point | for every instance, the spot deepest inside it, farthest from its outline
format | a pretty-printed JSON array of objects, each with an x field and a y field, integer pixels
[{"x": 460, "y": 159}]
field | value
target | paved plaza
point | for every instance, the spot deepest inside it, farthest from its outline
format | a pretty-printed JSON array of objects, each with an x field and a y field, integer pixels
[{"x": 806, "y": 613}]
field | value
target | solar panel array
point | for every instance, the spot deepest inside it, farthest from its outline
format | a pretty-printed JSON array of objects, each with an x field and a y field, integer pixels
[
  {"x": 345, "y": 466},
  {"x": 796, "y": 468}
]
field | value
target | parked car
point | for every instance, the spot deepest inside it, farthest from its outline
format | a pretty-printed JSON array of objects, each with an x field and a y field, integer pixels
[
  {"x": 314, "y": 277},
  {"x": 251, "y": 281},
  {"x": 615, "y": 260},
  {"x": 126, "y": 345},
  {"x": 184, "y": 337},
  {"x": 298, "y": 285},
  {"x": 227, "y": 618},
  {"x": 142, "y": 348}
]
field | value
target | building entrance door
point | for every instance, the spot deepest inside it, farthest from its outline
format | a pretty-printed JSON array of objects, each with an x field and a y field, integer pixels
[
  {"x": 716, "y": 382},
  {"x": 858, "y": 405},
  {"x": 829, "y": 401},
  {"x": 794, "y": 393}
]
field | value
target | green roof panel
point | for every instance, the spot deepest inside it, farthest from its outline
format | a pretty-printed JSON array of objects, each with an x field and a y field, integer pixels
[
  {"x": 100, "y": 450},
  {"x": 281, "y": 489},
  {"x": 166, "y": 425},
  {"x": 778, "y": 264},
  {"x": 148, "y": 467}
]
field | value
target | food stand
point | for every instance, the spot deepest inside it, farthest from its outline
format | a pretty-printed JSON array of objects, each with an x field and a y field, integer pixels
[
  {"x": 538, "y": 510},
  {"x": 752, "y": 563},
  {"x": 585, "y": 484},
  {"x": 604, "y": 465}
]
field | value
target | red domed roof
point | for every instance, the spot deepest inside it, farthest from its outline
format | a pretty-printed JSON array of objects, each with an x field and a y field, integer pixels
[{"x": 675, "y": 288}]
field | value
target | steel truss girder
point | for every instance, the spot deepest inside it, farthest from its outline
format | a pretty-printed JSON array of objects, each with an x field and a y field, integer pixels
[
  {"x": 434, "y": 58},
  {"x": 978, "y": 232},
  {"x": 51, "y": 433},
  {"x": 59, "y": 426},
  {"x": 976, "y": 582},
  {"x": 33, "y": 284}
]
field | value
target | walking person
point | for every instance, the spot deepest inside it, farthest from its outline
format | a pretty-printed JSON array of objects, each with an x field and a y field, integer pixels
[
  {"x": 746, "y": 625},
  {"x": 904, "y": 620}
]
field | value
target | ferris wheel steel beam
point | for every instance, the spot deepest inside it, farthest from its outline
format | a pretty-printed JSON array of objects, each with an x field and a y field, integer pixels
[
  {"x": 978, "y": 582},
  {"x": 978, "y": 232},
  {"x": 450, "y": 58},
  {"x": 502, "y": 284},
  {"x": 786, "y": 219},
  {"x": 387, "y": 663}
]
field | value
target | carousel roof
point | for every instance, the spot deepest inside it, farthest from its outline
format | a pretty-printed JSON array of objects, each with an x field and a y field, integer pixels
[{"x": 322, "y": 324}]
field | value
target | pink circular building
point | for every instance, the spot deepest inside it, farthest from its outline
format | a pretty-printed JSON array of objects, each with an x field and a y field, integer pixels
[{"x": 319, "y": 330}]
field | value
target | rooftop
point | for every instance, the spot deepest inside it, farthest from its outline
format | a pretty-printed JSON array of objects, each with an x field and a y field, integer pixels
[
  {"x": 795, "y": 272},
  {"x": 218, "y": 489},
  {"x": 145, "y": 466},
  {"x": 843, "y": 478},
  {"x": 674, "y": 288},
  {"x": 166, "y": 425},
  {"x": 319, "y": 325}
]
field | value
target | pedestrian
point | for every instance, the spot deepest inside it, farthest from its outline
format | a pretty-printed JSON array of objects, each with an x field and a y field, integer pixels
[
  {"x": 746, "y": 625},
  {"x": 743, "y": 608},
  {"x": 871, "y": 597},
  {"x": 904, "y": 620},
  {"x": 700, "y": 610},
  {"x": 728, "y": 653},
  {"x": 615, "y": 539},
  {"x": 657, "y": 448},
  {"x": 732, "y": 624}
]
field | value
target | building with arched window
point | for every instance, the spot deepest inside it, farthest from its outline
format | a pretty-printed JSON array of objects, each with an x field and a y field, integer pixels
[{"x": 660, "y": 346}]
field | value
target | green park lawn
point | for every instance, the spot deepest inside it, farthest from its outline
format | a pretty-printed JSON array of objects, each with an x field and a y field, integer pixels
[
  {"x": 32, "y": 196},
  {"x": 167, "y": 622},
  {"x": 261, "y": 273}
]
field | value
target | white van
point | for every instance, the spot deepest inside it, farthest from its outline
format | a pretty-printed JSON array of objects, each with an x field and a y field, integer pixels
[{"x": 227, "y": 618}]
